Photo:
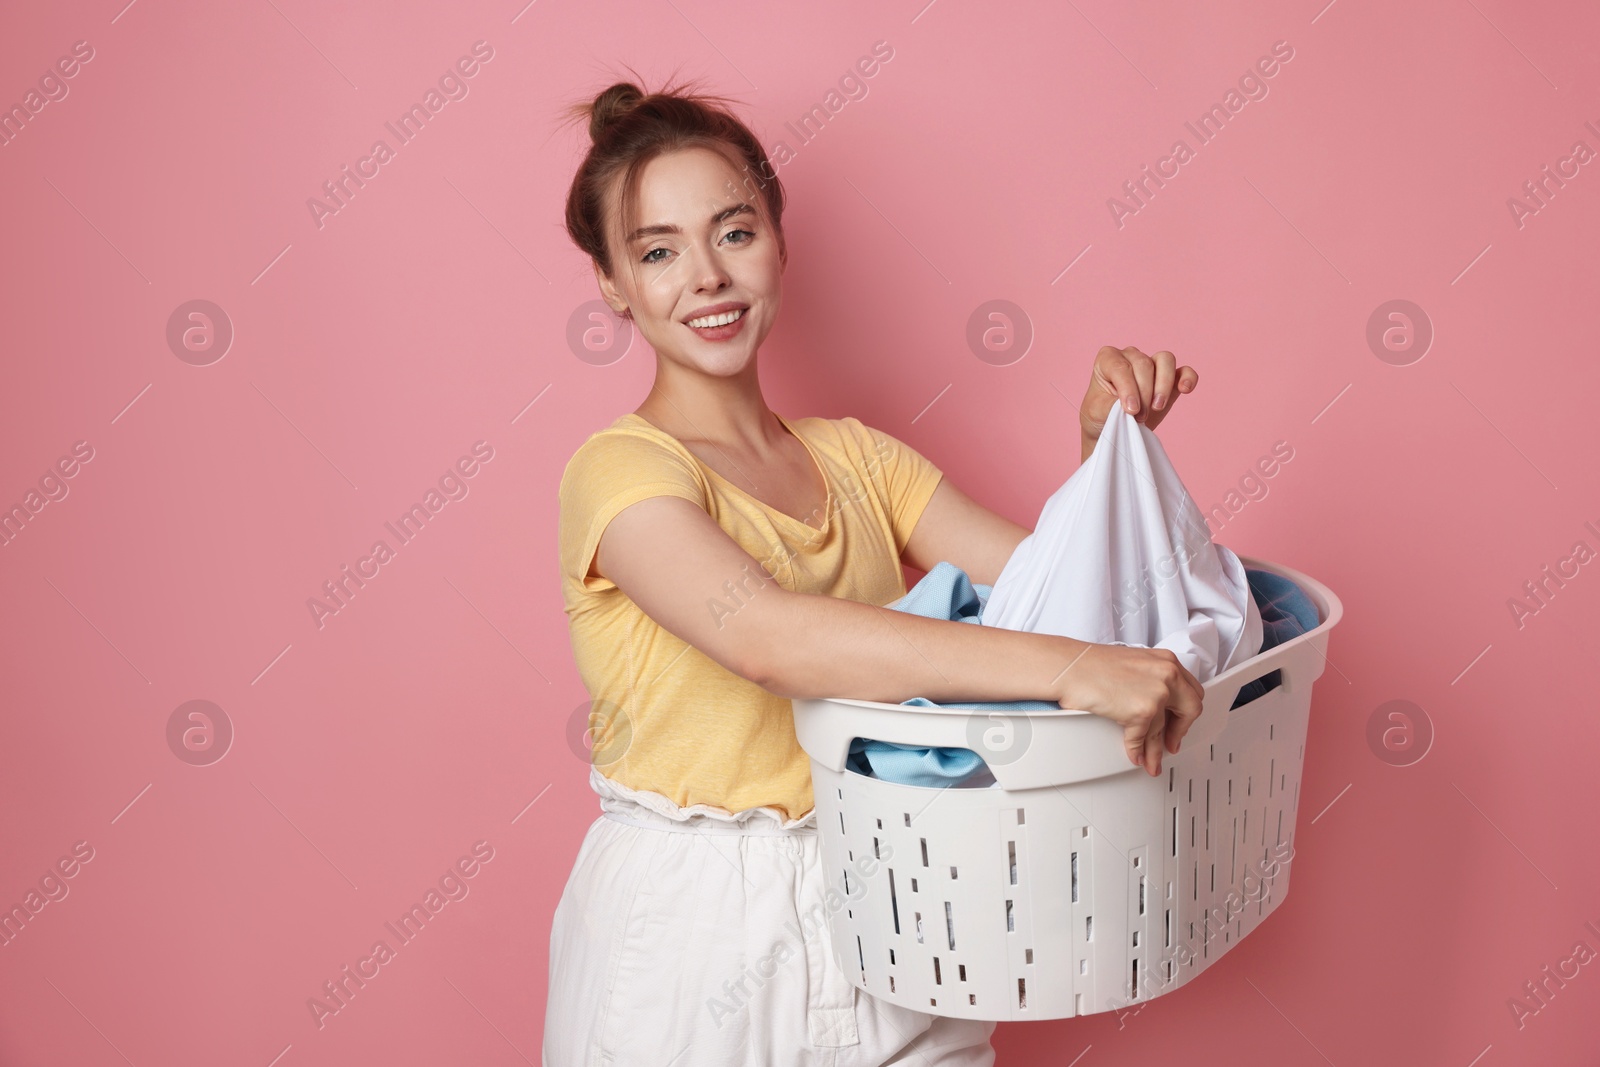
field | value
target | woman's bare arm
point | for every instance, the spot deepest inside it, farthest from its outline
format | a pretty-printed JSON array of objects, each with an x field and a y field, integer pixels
[
  {"x": 671, "y": 559},
  {"x": 683, "y": 570},
  {"x": 956, "y": 529}
]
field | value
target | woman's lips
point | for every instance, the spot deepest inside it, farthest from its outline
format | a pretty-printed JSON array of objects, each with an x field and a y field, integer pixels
[{"x": 721, "y": 333}]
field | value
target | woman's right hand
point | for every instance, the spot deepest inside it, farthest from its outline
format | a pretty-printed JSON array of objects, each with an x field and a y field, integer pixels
[{"x": 1146, "y": 691}]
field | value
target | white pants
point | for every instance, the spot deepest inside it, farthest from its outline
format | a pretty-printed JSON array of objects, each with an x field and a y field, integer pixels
[{"x": 695, "y": 938}]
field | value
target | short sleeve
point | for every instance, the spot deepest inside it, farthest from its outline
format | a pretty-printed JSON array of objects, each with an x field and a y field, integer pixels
[
  {"x": 905, "y": 476},
  {"x": 609, "y": 472}
]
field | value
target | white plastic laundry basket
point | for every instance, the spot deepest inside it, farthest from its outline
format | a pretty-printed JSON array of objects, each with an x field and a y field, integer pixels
[{"x": 1080, "y": 884}]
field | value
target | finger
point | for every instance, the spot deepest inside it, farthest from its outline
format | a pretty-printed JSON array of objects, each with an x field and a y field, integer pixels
[
  {"x": 1116, "y": 371},
  {"x": 1166, "y": 388},
  {"x": 1152, "y": 749},
  {"x": 1144, "y": 372},
  {"x": 1133, "y": 743},
  {"x": 1188, "y": 701},
  {"x": 1178, "y": 724},
  {"x": 1166, "y": 379},
  {"x": 1184, "y": 382}
]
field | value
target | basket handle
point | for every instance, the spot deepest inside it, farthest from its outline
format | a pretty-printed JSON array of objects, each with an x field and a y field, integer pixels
[
  {"x": 1291, "y": 658},
  {"x": 1032, "y": 749}
]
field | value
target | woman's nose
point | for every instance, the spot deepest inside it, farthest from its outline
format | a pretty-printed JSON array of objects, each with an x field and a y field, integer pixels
[{"x": 709, "y": 273}]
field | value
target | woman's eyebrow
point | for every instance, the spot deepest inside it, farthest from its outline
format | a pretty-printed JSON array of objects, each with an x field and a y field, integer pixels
[{"x": 718, "y": 219}]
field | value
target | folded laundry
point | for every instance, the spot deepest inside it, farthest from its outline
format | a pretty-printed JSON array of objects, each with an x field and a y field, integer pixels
[{"x": 1120, "y": 555}]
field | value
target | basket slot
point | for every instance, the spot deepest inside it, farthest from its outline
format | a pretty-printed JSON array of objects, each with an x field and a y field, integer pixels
[{"x": 894, "y": 906}]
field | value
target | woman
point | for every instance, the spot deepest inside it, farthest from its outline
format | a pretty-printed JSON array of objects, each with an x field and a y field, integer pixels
[{"x": 719, "y": 560}]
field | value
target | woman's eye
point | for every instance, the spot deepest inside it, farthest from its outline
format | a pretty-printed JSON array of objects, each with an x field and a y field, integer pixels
[{"x": 748, "y": 237}]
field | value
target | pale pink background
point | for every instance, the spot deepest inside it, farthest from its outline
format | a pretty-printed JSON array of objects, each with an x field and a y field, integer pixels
[{"x": 432, "y": 312}]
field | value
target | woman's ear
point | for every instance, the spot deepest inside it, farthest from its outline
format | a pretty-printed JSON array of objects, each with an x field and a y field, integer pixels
[{"x": 609, "y": 293}]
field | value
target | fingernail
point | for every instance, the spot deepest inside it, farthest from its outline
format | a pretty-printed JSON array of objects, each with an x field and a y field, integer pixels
[
  {"x": 1161, "y": 398},
  {"x": 1128, "y": 405}
]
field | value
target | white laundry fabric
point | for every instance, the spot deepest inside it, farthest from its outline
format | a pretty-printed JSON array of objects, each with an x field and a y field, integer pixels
[
  {"x": 1121, "y": 555},
  {"x": 697, "y": 938}
]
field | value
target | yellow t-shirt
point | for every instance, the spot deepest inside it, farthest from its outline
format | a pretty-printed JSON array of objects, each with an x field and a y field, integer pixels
[{"x": 670, "y": 719}]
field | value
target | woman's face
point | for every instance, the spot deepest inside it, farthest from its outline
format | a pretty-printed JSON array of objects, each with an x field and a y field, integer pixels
[{"x": 700, "y": 239}]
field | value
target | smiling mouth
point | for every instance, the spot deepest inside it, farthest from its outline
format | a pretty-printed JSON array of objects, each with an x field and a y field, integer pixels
[{"x": 713, "y": 321}]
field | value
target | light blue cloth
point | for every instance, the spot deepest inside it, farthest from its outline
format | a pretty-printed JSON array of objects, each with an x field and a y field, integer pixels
[{"x": 946, "y": 592}]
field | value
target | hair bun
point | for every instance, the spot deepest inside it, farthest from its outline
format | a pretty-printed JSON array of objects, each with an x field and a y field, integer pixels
[{"x": 610, "y": 106}]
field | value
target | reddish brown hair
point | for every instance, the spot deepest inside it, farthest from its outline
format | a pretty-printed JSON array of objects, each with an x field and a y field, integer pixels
[{"x": 628, "y": 128}]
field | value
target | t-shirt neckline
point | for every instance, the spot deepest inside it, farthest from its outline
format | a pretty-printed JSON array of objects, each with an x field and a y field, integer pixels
[{"x": 816, "y": 462}]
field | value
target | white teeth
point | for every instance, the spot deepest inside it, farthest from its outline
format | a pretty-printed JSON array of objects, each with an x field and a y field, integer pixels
[{"x": 717, "y": 320}]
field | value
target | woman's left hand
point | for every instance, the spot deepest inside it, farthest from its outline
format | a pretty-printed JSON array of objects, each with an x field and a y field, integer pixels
[{"x": 1147, "y": 386}]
